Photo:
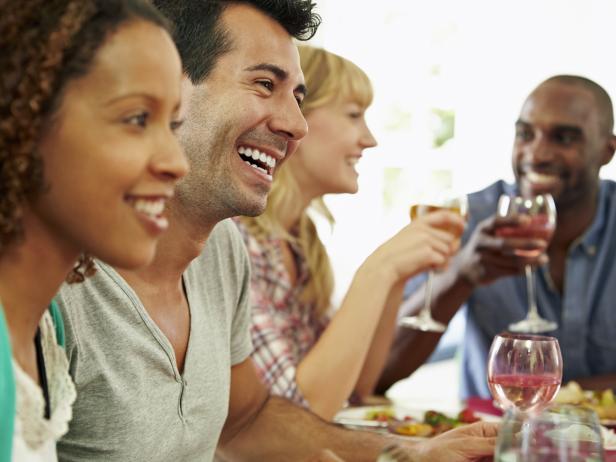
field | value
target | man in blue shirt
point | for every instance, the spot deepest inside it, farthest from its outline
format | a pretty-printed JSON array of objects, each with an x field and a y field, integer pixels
[{"x": 564, "y": 135}]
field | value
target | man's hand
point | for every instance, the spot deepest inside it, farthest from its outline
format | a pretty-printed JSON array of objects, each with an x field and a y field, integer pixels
[
  {"x": 474, "y": 442},
  {"x": 487, "y": 256}
]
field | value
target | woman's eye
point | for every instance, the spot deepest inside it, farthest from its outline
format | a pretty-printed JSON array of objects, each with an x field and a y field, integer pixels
[
  {"x": 176, "y": 124},
  {"x": 140, "y": 119}
]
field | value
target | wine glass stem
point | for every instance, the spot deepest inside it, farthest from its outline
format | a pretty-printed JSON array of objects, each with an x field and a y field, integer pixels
[
  {"x": 530, "y": 285},
  {"x": 425, "y": 311}
]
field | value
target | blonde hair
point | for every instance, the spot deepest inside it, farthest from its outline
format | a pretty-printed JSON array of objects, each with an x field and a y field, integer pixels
[{"x": 330, "y": 79}]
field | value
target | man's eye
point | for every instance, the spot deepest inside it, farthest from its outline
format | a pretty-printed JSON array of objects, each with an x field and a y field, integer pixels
[
  {"x": 523, "y": 135},
  {"x": 355, "y": 115},
  {"x": 140, "y": 119},
  {"x": 564, "y": 138},
  {"x": 267, "y": 84}
]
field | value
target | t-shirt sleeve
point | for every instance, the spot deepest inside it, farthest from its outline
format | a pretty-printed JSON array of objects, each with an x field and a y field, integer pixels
[{"x": 241, "y": 344}]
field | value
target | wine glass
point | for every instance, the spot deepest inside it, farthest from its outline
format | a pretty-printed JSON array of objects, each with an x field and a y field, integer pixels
[
  {"x": 560, "y": 433},
  {"x": 524, "y": 371},
  {"x": 444, "y": 201},
  {"x": 541, "y": 213}
]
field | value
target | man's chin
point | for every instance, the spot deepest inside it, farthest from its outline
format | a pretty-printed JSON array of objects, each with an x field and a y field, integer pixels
[
  {"x": 534, "y": 189},
  {"x": 251, "y": 209}
]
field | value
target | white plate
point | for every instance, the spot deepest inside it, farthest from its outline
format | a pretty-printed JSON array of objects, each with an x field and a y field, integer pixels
[
  {"x": 360, "y": 412},
  {"x": 355, "y": 417}
]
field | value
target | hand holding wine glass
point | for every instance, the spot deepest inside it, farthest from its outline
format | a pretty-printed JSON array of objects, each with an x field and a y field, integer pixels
[
  {"x": 537, "y": 216},
  {"x": 444, "y": 201},
  {"x": 524, "y": 371}
]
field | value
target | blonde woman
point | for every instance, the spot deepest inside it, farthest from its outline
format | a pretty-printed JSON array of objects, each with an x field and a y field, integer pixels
[{"x": 302, "y": 351}]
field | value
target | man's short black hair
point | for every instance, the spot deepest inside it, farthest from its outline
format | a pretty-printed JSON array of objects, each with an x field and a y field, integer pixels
[
  {"x": 201, "y": 39},
  {"x": 602, "y": 98}
]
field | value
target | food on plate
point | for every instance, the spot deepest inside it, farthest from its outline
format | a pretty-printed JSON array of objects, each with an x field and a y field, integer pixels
[
  {"x": 381, "y": 415},
  {"x": 433, "y": 423},
  {"x": 602, "y": 402}
]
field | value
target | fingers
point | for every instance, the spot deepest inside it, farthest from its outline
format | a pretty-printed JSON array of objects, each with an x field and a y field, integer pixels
[
  {"x": 479, "y": 439},
  {"x": 478, "y": 447},
  {"x": 484, "y": 429},
  {"x": 445, "y": 220}
]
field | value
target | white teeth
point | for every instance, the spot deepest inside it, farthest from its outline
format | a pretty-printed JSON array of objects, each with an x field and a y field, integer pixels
[
  {"x": 540, "y": 178},
  {"x": 149, "y": 207},
  {"x": 255, "y": 154}
]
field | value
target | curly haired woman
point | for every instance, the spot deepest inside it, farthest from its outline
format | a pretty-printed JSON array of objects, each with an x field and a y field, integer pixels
[
  {"x": 89, "y": 95},
  {"x": 299, "y": 347}
]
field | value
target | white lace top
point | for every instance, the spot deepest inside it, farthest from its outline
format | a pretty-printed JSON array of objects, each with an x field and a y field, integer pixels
[{"x": 35, "y": 437}]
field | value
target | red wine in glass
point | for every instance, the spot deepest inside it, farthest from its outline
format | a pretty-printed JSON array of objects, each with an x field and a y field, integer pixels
[{"x": 538, "y": 227}]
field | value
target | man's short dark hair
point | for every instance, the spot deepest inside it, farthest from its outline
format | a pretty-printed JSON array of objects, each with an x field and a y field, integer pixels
[
  {"x": 201, "y": 39},
  {"x": 602, "y": 98}
]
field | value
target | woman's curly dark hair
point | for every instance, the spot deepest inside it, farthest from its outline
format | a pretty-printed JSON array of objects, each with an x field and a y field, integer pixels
[{"x": 44, "y": 44}]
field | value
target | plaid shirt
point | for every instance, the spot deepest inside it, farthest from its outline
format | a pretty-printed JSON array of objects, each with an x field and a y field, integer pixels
[{"x": 284, "y": 328}]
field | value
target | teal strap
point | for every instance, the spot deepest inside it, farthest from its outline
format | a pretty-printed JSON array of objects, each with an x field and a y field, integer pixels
[
  {"x": 56, "y": 316},
  {"x": 7, "y": 380},
  {"x": 7, "y": 392}
]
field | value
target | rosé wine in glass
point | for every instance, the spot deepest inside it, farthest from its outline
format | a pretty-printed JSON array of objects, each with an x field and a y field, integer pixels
[
  {"x": 524, "y": 371},
  {"x": 526, "y": 392},
  {"x": 539, "y": 221}
]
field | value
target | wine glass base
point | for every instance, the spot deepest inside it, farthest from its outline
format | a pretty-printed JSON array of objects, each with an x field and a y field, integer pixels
[
  {"x": 423, "y": 324},
  {"x": 533, "y": 326}
]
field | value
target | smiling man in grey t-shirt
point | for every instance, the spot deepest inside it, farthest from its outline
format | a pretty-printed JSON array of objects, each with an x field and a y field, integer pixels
[
  {"x": 125, "y": 367},
  {"x": 160, "y": 355}
]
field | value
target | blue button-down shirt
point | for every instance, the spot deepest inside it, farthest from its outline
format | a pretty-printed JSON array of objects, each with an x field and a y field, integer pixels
[{"x": 585, "y": 313}]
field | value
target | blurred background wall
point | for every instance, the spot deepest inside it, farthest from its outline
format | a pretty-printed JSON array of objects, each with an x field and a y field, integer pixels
[{"x": 450, "y": 77}]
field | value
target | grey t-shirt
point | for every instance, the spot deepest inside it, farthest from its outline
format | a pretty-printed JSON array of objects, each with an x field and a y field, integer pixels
[{"x": 132, "y": 403}]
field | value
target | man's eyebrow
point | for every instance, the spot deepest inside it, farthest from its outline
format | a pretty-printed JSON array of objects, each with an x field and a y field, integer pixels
[
  {"x": 572, "y": 129},
  {"x": 568, "y": 128},
  {"x": 280, "y": 74}
]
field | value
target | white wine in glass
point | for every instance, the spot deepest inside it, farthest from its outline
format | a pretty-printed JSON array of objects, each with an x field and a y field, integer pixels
[{"x": 457, "y": 204}]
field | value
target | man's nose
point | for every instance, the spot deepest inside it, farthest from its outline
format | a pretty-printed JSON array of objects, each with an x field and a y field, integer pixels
[{"x": 289, "y": 121}]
